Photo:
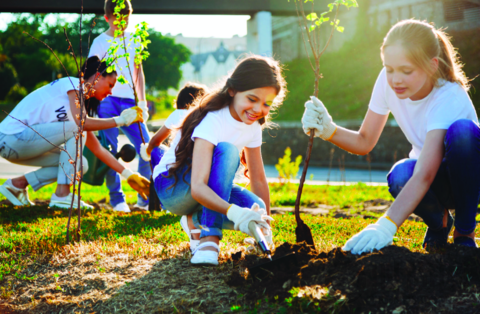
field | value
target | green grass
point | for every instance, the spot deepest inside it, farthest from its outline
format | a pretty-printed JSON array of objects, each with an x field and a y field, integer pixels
[{"x": 280, "y": 194}]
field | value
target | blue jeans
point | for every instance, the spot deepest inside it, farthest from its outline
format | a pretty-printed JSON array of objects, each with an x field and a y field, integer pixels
[
  {"x": 178, "y": 199},
  {"x": 457, "y": 183},
  {"x": 113, "y": 107}
]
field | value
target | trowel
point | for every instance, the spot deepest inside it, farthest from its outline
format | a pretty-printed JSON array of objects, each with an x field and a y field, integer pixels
[{"x": 263, "y": 270}]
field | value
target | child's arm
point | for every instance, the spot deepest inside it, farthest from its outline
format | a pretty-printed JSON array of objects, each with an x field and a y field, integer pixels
[
  {"x": 258, "y": 178},
  {"x": 139, "y": 82},
  {"x": 381, "y": 233},
  {"x": 158, "y": 139},
  {"x": 359, "y": 142}
]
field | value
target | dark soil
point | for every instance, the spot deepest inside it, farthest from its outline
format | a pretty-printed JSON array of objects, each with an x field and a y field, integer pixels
[{"x": 391, "y": 280}]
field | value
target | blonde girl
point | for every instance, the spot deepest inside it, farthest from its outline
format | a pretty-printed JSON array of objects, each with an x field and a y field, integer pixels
[{"x": 422, "y": 84}]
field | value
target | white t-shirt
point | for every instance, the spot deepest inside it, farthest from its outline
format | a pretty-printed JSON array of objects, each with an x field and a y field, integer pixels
[
  {"x": 100, "y": 47},
  {"x": 443, "y": 106},
  {"x": 217, "y": 126},
  {"x": 176, "y": 118},
  {"x": 45, "y": 105}
]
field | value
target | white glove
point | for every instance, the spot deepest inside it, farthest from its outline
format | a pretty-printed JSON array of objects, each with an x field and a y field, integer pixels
[
  {"x": 143, "y": 152},
  {"x": 267, "y": 232},
  {"x": 376, "y": 236},
  {"x": 143, "y": 105},
  {"x": 129, "y": 116},
  {"x": 316, "y": 117},
  {"x": 241, "y": 217}
]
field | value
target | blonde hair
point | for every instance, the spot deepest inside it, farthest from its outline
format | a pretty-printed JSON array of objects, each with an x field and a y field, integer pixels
[{"x": 423, "y": 42}]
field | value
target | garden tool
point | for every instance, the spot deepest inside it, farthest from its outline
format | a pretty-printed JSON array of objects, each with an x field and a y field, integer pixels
[
  {"x": 127, "y": 153},
  {"x": 302, "y": 231},
  {"x": 264, "y": 269}
]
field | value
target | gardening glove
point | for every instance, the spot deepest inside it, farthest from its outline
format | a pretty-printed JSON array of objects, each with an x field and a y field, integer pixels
[
  {"x": 129, "y": 116},
  {"x": 376, "y": 236},
  {"x": 137, "y": 182},
  {"x": 267, "y": 232},
  {"x": 142, "y": 104},
  {"x": 143, "y": 152},
  {"x": 316, "y": 117},
  {"x": 241, "y": 217}
]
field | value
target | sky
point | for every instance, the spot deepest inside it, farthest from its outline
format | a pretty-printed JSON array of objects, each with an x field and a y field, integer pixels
[{"x": 221, "y": 26}]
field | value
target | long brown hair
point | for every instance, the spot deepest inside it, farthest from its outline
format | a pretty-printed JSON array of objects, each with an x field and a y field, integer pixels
[
  {"x": 423, "y": 42},
  {"x": 251, "y": 73}
]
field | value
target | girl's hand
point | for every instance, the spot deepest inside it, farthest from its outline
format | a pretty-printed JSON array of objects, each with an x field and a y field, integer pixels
[
  {"x": 316, "y": 117},
  {"x": 242, "y": 216},
  {"x": 129, "y": 116},
  {"x": 376, "y": 236},
  {"x": 144, "y": 152}
]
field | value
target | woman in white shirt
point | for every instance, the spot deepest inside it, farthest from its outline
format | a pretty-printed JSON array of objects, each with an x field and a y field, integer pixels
[
  {"x": 424, "y": 87},
  {"x": 53, "y": 112},
  {"x": 195, "y": 177}
]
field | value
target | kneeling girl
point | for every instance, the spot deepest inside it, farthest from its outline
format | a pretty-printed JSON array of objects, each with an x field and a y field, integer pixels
[{"x": 195, "y": 177}]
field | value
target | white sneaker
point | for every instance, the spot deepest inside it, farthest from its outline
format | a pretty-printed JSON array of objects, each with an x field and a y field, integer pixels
[
  {"x": 140, "y": 208},
  {"x": 205, "y": 258},
  {"x": 122, "y": 207},
  {"x": 64, "y": 202},
  {"x": 18, "y": 197}
]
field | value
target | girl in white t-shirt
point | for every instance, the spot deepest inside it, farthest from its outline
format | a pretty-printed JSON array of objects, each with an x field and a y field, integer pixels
[
  {"x": 52, "y": 112},
  {"x": 423, "y": 86},
  {"x": 183, "y": 103},
  {"x": 195, "y": 177}
]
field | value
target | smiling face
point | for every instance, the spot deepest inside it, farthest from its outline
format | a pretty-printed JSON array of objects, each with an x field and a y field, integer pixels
[
  {"x": 403, "y": 76},
  {"x": 104, "y": 85},
  {"x": 252, "y": 105}
]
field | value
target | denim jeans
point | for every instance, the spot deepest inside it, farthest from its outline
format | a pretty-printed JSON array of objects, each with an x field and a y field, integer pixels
[
  {"x": 178, "y": 199},
  {"x": 457, "y": 183},
  {"x": 113, "y": 107},
  {"x": 29, "y": 149}
]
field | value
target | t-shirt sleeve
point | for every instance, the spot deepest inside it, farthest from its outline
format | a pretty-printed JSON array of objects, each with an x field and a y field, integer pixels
[
  {"x": 209, "y": 129},
  {"x": 69, "y": 84},
  {"x": 378, "y": 101},
  {"x": 97, "y": 49},
  {"x": 172, "y": 120},
  {"x": 257, "y": 138}
]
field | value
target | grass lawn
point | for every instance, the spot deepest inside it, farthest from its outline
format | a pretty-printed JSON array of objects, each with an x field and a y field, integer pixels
[{"x": 126, "y": 252}]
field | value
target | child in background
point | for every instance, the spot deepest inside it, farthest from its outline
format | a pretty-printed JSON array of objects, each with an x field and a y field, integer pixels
[
  {"x": 423, "y": 85},
  {"x": 195, "y": 177},
  {"x": 184, "y": 101},
  {"x": 122, "y": 98}
]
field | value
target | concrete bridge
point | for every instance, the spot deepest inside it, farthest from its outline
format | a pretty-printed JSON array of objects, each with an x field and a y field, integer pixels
[{"x": 259, "y": 27}]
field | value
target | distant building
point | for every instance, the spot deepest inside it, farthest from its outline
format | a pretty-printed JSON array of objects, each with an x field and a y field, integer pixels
[
  {"x": 380, "y": 14},
  {"x": 212, "y": 58}
]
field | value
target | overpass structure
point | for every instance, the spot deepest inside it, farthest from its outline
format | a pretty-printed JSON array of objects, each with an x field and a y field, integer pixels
[{"x": 259, "y": 27}]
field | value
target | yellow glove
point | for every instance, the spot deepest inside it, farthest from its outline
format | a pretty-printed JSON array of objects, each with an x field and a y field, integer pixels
[
  {"x": 139, "y": 117},
  {"x": 137, "y": 182}
]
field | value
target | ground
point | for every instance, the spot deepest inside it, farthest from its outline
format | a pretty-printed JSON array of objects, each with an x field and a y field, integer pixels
[{"x": 139, "y": 263}]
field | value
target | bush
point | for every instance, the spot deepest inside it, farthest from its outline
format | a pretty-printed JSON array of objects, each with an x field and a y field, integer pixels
[
  {"x": 16, "y": 93},
  {"x": 288, "y": 169}
]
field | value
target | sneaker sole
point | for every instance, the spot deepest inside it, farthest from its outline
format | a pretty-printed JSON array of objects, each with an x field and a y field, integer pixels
[{"x": 10, "y": 197}]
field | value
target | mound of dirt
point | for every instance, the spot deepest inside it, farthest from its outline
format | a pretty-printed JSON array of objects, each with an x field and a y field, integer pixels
[{"x": 391, "y": 280}]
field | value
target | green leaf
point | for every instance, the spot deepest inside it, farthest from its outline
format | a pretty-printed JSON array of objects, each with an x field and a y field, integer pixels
[
  {"x": 312, "y": 16},
  {"x": 340, "y": 29},
  {"x": 311, "y": 28}
]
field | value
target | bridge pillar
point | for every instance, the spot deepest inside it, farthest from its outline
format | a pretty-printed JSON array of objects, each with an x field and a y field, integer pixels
[{"x": 259, "y": 33}]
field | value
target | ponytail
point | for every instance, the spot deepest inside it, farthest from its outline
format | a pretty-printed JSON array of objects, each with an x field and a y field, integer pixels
[{"x": 450, "y": 67}]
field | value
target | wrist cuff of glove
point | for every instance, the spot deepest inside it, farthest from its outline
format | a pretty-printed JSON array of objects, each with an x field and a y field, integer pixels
[
  {"x": 232, "y": 212},
  {"x": 388, "y": 224},
  {"x": 329, "y": 131},
  {"x": 126, "y": 173},
  {"x": 119, "y": 121},
  {"x": 142, "y": 104}
]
